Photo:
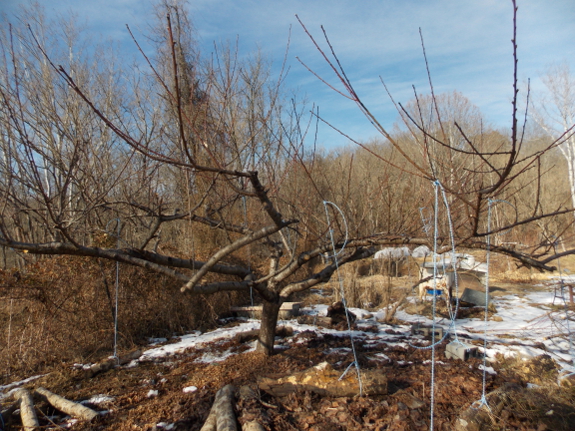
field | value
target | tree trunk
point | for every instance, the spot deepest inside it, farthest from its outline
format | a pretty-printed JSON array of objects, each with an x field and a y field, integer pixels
[{"x": 268, "y": 326}]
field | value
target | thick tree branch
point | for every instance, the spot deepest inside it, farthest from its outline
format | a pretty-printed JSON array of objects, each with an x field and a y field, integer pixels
[{"x": 225, "y": 251}]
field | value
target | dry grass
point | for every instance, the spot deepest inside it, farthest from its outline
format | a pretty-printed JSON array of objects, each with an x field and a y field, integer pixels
[
  {"x": 62, "y": 310},
  {"x": 551, "y": 407}
]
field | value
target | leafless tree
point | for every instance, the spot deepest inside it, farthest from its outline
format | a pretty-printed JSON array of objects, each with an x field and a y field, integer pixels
[
  {"x": 474, "y": 166},
  {"x": 88, "y": 148},
  {"x": 209, "y": 145},
  {"x": 554, "y": 112}
]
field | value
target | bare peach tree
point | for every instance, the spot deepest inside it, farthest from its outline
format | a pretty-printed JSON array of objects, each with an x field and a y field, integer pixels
[
  {"x": 475, "y": 167},
  {"x": 210, "y": 145},
  {"x": 88, "y": 148}
]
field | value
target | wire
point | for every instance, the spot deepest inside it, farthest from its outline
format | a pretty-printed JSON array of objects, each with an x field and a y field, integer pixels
[
  {"x": 119, "y": 227},
  {"x": 434, "y": 284},
  {"x": 325, "y": 204},
  {"x": 342, "y": 290}
]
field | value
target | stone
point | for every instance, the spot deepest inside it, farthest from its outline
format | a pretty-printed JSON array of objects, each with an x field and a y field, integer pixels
[
  {"x": 408, "y": 399},
  {"x": 426, "y": 330},
  {"x": 474, "y": 297},
  {"x": 461, "y": 351}
]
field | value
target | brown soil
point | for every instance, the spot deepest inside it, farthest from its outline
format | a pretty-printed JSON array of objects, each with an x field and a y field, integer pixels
[{"x": 406, "y": 407}]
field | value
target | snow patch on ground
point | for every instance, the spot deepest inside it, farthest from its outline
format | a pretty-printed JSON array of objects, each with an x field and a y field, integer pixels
[
  {"x": 11, "y": 387},
  {"x": 197, "y": 338},
  {"x": 98, "y": 399},
  {"x": 527, "y": 327}
]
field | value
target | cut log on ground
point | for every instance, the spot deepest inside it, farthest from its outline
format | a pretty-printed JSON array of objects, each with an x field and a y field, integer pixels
[
  {"x": 27, "y": 412},
  {"x": 73, "y": 409},
  {"x": 210, "y": 424},
  {"x": 226, "y": 419},
  {"x": 324, "y": 380},
  {"x": 110, "y": 363},
  {"x": 222, "y": 417}
]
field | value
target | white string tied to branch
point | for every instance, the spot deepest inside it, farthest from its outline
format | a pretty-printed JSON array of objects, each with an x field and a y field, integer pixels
[
  {"x": 426, "y": 221},
  {"x": 452, "y": 313},
  {"x": 342, "y": 290},
  {"x": 119, "y": 228},
  {"x": 249, "y": 249},
  {"x": 483, "y": 401}
]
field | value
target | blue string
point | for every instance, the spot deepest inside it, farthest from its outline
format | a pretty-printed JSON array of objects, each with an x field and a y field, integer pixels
[
  {"x": 437, "y": 185},
  {"x": 453, "y": 314}
]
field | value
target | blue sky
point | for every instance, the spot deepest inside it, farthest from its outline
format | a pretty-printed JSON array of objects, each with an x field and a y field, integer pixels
[{"x": 468, "y": 45}]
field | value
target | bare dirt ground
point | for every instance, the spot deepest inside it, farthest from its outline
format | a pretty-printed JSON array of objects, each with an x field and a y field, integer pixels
[{"x": 405, "y": 407}]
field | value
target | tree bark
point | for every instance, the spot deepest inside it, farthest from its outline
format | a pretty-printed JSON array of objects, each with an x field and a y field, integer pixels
[
  {"x": 222, "y": 417},
  {"x": 27, "y": 412},
  {"x": 226, "y": 419},
  {"x": 268, "y": 326},
  {"x": 67, "y": 406}
]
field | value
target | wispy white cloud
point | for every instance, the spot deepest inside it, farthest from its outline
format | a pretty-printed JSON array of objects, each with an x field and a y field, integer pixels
[{"x": 468, "y": 45}]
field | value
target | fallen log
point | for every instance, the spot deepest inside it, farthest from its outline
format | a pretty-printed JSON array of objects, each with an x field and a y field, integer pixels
[
  {"x": 226, "y": 419},
  {"x": 222, "y": 417},
  {"x": 110, "y": 363},
  {"x": 67, "y": 406},
  {"x": 324, "y": 380},
  {"x": 210, "y": 424},
  {"x": 27, "y": 412}
]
